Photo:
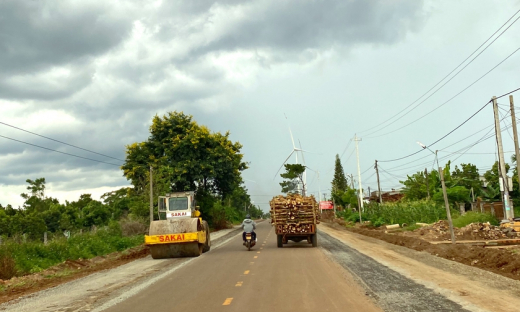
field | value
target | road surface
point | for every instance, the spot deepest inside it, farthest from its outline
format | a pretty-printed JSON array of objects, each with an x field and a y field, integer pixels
[
  {"x": 348, "y": 272},
  {"x": 294, "y": 278}
]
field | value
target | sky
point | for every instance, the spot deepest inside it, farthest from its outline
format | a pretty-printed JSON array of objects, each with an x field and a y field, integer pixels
[{"x": 94, "y": 73}]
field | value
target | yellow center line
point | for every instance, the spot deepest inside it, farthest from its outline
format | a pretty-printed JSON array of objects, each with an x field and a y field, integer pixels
[
  {"x": 258, "y": 252},
  {"x": 251, "y": 263},
  {"x": 246, "y": 272},
  {"x": 255, "y": 257},
  {"x": 227, "y": 301},
  {"x": 239, "y": 284}
]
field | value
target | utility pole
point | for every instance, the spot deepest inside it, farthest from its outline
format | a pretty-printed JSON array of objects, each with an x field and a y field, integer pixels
[
  {"x": 427, "y": 182},
  {"x": 356, "y": 139},
  {"x": 352, "y": 180},
  {"x": 447, "y": 205},
  {"x": 502, "y": 163},
  {"x": 378, "y": 185},
  {"x": 151, "y": 195},
  {"x": 515, "y": 134}
]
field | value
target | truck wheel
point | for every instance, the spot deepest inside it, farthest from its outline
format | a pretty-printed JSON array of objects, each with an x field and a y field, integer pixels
[
  {"x": 207, "y": 244},
  {"x": 279, "y": 241},
  {"x": 314, "y": 239}
]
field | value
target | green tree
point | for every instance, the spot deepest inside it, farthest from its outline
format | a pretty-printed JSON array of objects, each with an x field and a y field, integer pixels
[
  {"x": 187, "y": 157},
  {"x": 292, "y": 176},
  {"x": 493, "y": 186},
  {"x": 468, "y": 177},
  {"x": 339, "y": 182}
]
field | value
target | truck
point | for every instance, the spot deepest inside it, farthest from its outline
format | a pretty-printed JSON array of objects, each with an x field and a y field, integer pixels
[
  {"x": 295, "y": 218},
  {"x": 182, "y": 233}
]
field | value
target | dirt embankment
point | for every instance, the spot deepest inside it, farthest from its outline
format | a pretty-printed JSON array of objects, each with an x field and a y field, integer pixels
[
  {"x": 505, "y": 262},
  {"x": 65, "y": 272}
]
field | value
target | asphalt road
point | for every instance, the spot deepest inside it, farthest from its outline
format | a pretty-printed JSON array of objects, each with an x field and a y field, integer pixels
[{"x": 230, "y": 278}]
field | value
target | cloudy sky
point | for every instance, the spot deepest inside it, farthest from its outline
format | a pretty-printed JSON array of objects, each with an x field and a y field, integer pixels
[{"x": 93, "y": 73}]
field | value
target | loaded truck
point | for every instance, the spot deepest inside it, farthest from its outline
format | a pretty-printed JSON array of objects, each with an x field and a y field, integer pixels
[
  {"x": 183, "y": 233},
  {"x": 295, "y": 218}
]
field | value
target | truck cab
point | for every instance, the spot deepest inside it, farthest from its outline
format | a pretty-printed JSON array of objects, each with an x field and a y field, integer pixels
[{"x": 178, "y": 205}]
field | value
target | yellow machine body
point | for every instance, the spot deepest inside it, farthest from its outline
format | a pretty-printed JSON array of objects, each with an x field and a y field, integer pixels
[{"x": 183, "y": 233}]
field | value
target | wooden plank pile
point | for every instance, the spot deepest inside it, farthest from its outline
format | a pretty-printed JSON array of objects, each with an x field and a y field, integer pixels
[{"x": 294, "y": 214}]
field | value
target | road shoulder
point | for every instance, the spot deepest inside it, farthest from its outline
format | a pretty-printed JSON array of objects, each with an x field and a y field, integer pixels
[{"x": 472, "y": 288}]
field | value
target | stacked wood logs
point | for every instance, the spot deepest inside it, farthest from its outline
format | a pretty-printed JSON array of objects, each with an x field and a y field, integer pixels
[{"x": 294, "y": 214}]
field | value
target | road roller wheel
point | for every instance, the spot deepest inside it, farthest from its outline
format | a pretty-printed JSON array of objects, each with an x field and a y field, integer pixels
[
  {"x": 165, "y": 251},
  {"x": 207, "y": 245}
]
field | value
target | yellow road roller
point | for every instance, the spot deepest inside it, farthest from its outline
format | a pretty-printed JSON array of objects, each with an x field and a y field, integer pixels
[{"x": 183, "y": 233}]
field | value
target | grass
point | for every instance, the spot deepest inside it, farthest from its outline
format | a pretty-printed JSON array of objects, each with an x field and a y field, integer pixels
[
  {"x": 32, "y": 257},
  {"x": 408, "y": 212},
  {"x": 411, "y": 212},
  {"x": 473, "y": 217}
]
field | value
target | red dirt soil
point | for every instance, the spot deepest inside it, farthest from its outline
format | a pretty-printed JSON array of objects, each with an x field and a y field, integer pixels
[
  {"x": 66, "y": 272},
  {"x": 505, "y": 262}
]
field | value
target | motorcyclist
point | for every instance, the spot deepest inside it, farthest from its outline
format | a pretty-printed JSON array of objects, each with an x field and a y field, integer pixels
[{"x": 248, "y": 226}]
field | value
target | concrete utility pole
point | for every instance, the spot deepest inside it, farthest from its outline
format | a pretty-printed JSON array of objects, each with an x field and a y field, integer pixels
[
  {"x": 427, "y": 182},
  {"x": 356, "y": 139},
  {"x": 151, "y": 194},
  {"x": 515, "y": 134},
  {"x": 447, "y": 205},
  {"x": 501, "y": 162},
  {"x": 378, "y": 185}
]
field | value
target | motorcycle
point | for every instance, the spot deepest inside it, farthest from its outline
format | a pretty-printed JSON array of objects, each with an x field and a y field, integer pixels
[{"x": 250, "y": 242}]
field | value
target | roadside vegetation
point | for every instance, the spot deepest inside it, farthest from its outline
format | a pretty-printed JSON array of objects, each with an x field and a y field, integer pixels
[
  {"x": 183, "y": 155},
  {"x": 423, "y": 201}
]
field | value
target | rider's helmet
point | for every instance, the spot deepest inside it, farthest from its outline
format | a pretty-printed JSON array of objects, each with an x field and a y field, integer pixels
[{"x": 248, "y": 216}]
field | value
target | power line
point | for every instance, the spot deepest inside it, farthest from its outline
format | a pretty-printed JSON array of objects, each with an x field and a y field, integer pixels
[
  {"x": 99, "y": 161},
  {"x": 3, "y": 123},
  {"x": 381, "y": 124},
  {"x": 441, "y": 137},
  {"x": 449, "y": 100}
]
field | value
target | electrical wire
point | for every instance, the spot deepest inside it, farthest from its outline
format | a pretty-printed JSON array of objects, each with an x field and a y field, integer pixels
[
  {"x": 99, "y": 161},
  {"x": 446, "y": 135},
  {"x": 381, "y": 124},
  {"x": 449, "y": 100},
  {"x": 84, "y": 149}
]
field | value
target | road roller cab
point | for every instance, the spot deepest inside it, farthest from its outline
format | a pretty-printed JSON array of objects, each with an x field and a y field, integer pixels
[
  {"x": 183, "y": 233},
  {"x": 178, "y": 205}
]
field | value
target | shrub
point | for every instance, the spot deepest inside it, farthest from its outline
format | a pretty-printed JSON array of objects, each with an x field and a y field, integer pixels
[
  {"x": 133, "y": 226},
  {"x": 473, "y": 217},
  {"x": 7, "y": 266},
  {"x": 408, "y": 212},
  {"x": 34, "y": 256}
]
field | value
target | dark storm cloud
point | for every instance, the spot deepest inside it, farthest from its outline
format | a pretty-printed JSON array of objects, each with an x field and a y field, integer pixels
[
  {"x": 81, "y": 58},
  {"x": 300, "y": 25},
  {"x": 37, "y": 34}
]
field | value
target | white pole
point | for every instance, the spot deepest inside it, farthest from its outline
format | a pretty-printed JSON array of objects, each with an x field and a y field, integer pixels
[{"x": 359, "y": 173}]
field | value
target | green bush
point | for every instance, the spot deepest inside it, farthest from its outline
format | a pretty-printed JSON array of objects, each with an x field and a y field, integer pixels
[
  {"x": 473, "y": 217},
  {"x": 408, "y": 212},
  {"x": 33, "y": 256}
]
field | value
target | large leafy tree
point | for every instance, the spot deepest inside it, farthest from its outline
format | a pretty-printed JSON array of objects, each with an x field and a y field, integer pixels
[{"x": 188, "y": 156}]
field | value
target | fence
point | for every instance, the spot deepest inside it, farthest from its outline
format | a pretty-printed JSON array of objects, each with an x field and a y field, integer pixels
[{"x": 494, "y": 208}]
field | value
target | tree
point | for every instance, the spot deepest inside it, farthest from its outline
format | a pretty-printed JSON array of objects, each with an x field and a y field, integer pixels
[
  {"x": 468, "y": 177},
  {"x": 493, "y": 185},
  {"x": 187, "y": 157},
  {"x": 292, "y": 176},
  {"x": 339, "y": 182}
]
